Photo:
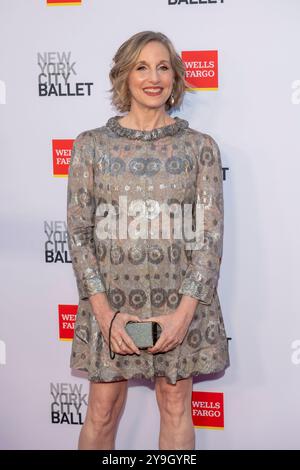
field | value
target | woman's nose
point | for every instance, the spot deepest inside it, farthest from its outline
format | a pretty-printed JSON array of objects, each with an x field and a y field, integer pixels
[{"x": 153, "y": 76}]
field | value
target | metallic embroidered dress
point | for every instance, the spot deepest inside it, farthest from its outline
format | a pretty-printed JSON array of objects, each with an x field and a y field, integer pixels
[{"x": 167, "y": 167}]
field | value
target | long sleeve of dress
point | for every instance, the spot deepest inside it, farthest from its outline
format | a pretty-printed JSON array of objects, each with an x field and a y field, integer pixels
[
  {"x": 80, "y": 217},
  {"x": 202, "y": 273}
]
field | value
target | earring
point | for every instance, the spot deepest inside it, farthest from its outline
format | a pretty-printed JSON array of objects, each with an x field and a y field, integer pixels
[{"x": 172, "y": 99}]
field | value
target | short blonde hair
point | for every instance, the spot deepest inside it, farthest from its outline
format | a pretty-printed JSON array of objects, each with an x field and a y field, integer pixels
[{"x": 125, "y": 59}]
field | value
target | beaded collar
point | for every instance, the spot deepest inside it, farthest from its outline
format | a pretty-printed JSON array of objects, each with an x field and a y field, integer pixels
[{"x": 157, "y": 133}]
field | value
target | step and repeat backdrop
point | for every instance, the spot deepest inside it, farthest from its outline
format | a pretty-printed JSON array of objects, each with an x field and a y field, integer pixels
[{"x": 242, "y": 61}]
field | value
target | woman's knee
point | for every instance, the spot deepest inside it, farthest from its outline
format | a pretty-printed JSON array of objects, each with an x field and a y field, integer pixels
[
  {"x": 173, "y": 400},
  {"x": 105, "y": 404},
  {"x": 100, "y": 415}
]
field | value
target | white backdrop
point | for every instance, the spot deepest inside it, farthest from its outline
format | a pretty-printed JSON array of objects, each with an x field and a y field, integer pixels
[{"x": 254, "y": 117}]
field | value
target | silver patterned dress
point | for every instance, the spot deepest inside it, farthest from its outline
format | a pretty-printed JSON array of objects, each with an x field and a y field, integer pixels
[{"x": 118, "y": 173}]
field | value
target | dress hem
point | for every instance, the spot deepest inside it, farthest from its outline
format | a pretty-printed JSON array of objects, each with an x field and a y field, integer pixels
[{"x": 196, "y": 373}]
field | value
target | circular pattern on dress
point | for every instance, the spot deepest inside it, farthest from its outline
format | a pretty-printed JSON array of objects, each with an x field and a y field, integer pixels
[
  {"x": 158, "y": 297},
  {"x": 117, "y": 166},
  {"x": 207, "y": 158},
  {"x": 155, "y": 254},
  {"x": 194, "y": 338},
  {"x": 152, "y": 166},
  {"x": 173, "y": 298},
  {"x": 211, "y": 333},
  {"x": 137, "y": 166},
  {"x": 174, "y": 253},
  {"x": 174, "y": 165},
  {"x": 117, "y": 255},
  {"x": 117, "y": 298},
  {"x": 136, "y": 255},
  {"x": 137, "y": 298}
]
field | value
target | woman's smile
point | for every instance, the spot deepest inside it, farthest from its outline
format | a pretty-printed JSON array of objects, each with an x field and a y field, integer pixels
[{"x": 153, "y": 91}]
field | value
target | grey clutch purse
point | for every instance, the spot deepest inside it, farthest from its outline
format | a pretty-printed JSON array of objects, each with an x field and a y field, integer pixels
[{"x": 143, "y": 334}]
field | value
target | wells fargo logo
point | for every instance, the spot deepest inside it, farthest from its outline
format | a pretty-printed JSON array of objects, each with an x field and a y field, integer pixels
[
  {"x": 67, "y": 317},
  {"x": 56, "y": 3},
  {"x": 61, "y": 153},
  {"x": 201, "y": 69},
  {"x": 208, "y": 410}
]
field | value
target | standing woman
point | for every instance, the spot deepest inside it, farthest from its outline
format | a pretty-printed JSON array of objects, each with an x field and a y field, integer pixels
[{"x": 135, "y": 168}]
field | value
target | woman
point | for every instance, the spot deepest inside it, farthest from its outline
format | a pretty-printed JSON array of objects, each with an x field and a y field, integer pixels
[{"x": 152, "y": 161}]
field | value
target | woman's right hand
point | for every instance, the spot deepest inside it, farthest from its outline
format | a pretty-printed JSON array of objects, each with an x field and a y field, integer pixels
[{"x": 121, "y": 343}]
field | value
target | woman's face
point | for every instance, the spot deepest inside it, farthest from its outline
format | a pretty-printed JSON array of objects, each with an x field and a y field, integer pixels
[{"x": 150, "y": 81}]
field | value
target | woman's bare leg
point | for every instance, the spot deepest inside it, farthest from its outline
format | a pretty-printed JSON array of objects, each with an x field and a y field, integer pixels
[
  {"x": 176, "y": 425},
  {"x": 105, "y": 403}
]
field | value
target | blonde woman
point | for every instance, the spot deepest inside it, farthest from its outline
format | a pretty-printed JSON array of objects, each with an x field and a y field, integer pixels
[{"x": 123, "y": 177}]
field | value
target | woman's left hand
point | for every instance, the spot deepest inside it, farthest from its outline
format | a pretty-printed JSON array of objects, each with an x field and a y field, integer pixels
[{"x": 174, "y": 328}]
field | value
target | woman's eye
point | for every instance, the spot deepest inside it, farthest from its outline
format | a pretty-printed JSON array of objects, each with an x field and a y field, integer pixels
[{"x": 142, "y": 67}]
